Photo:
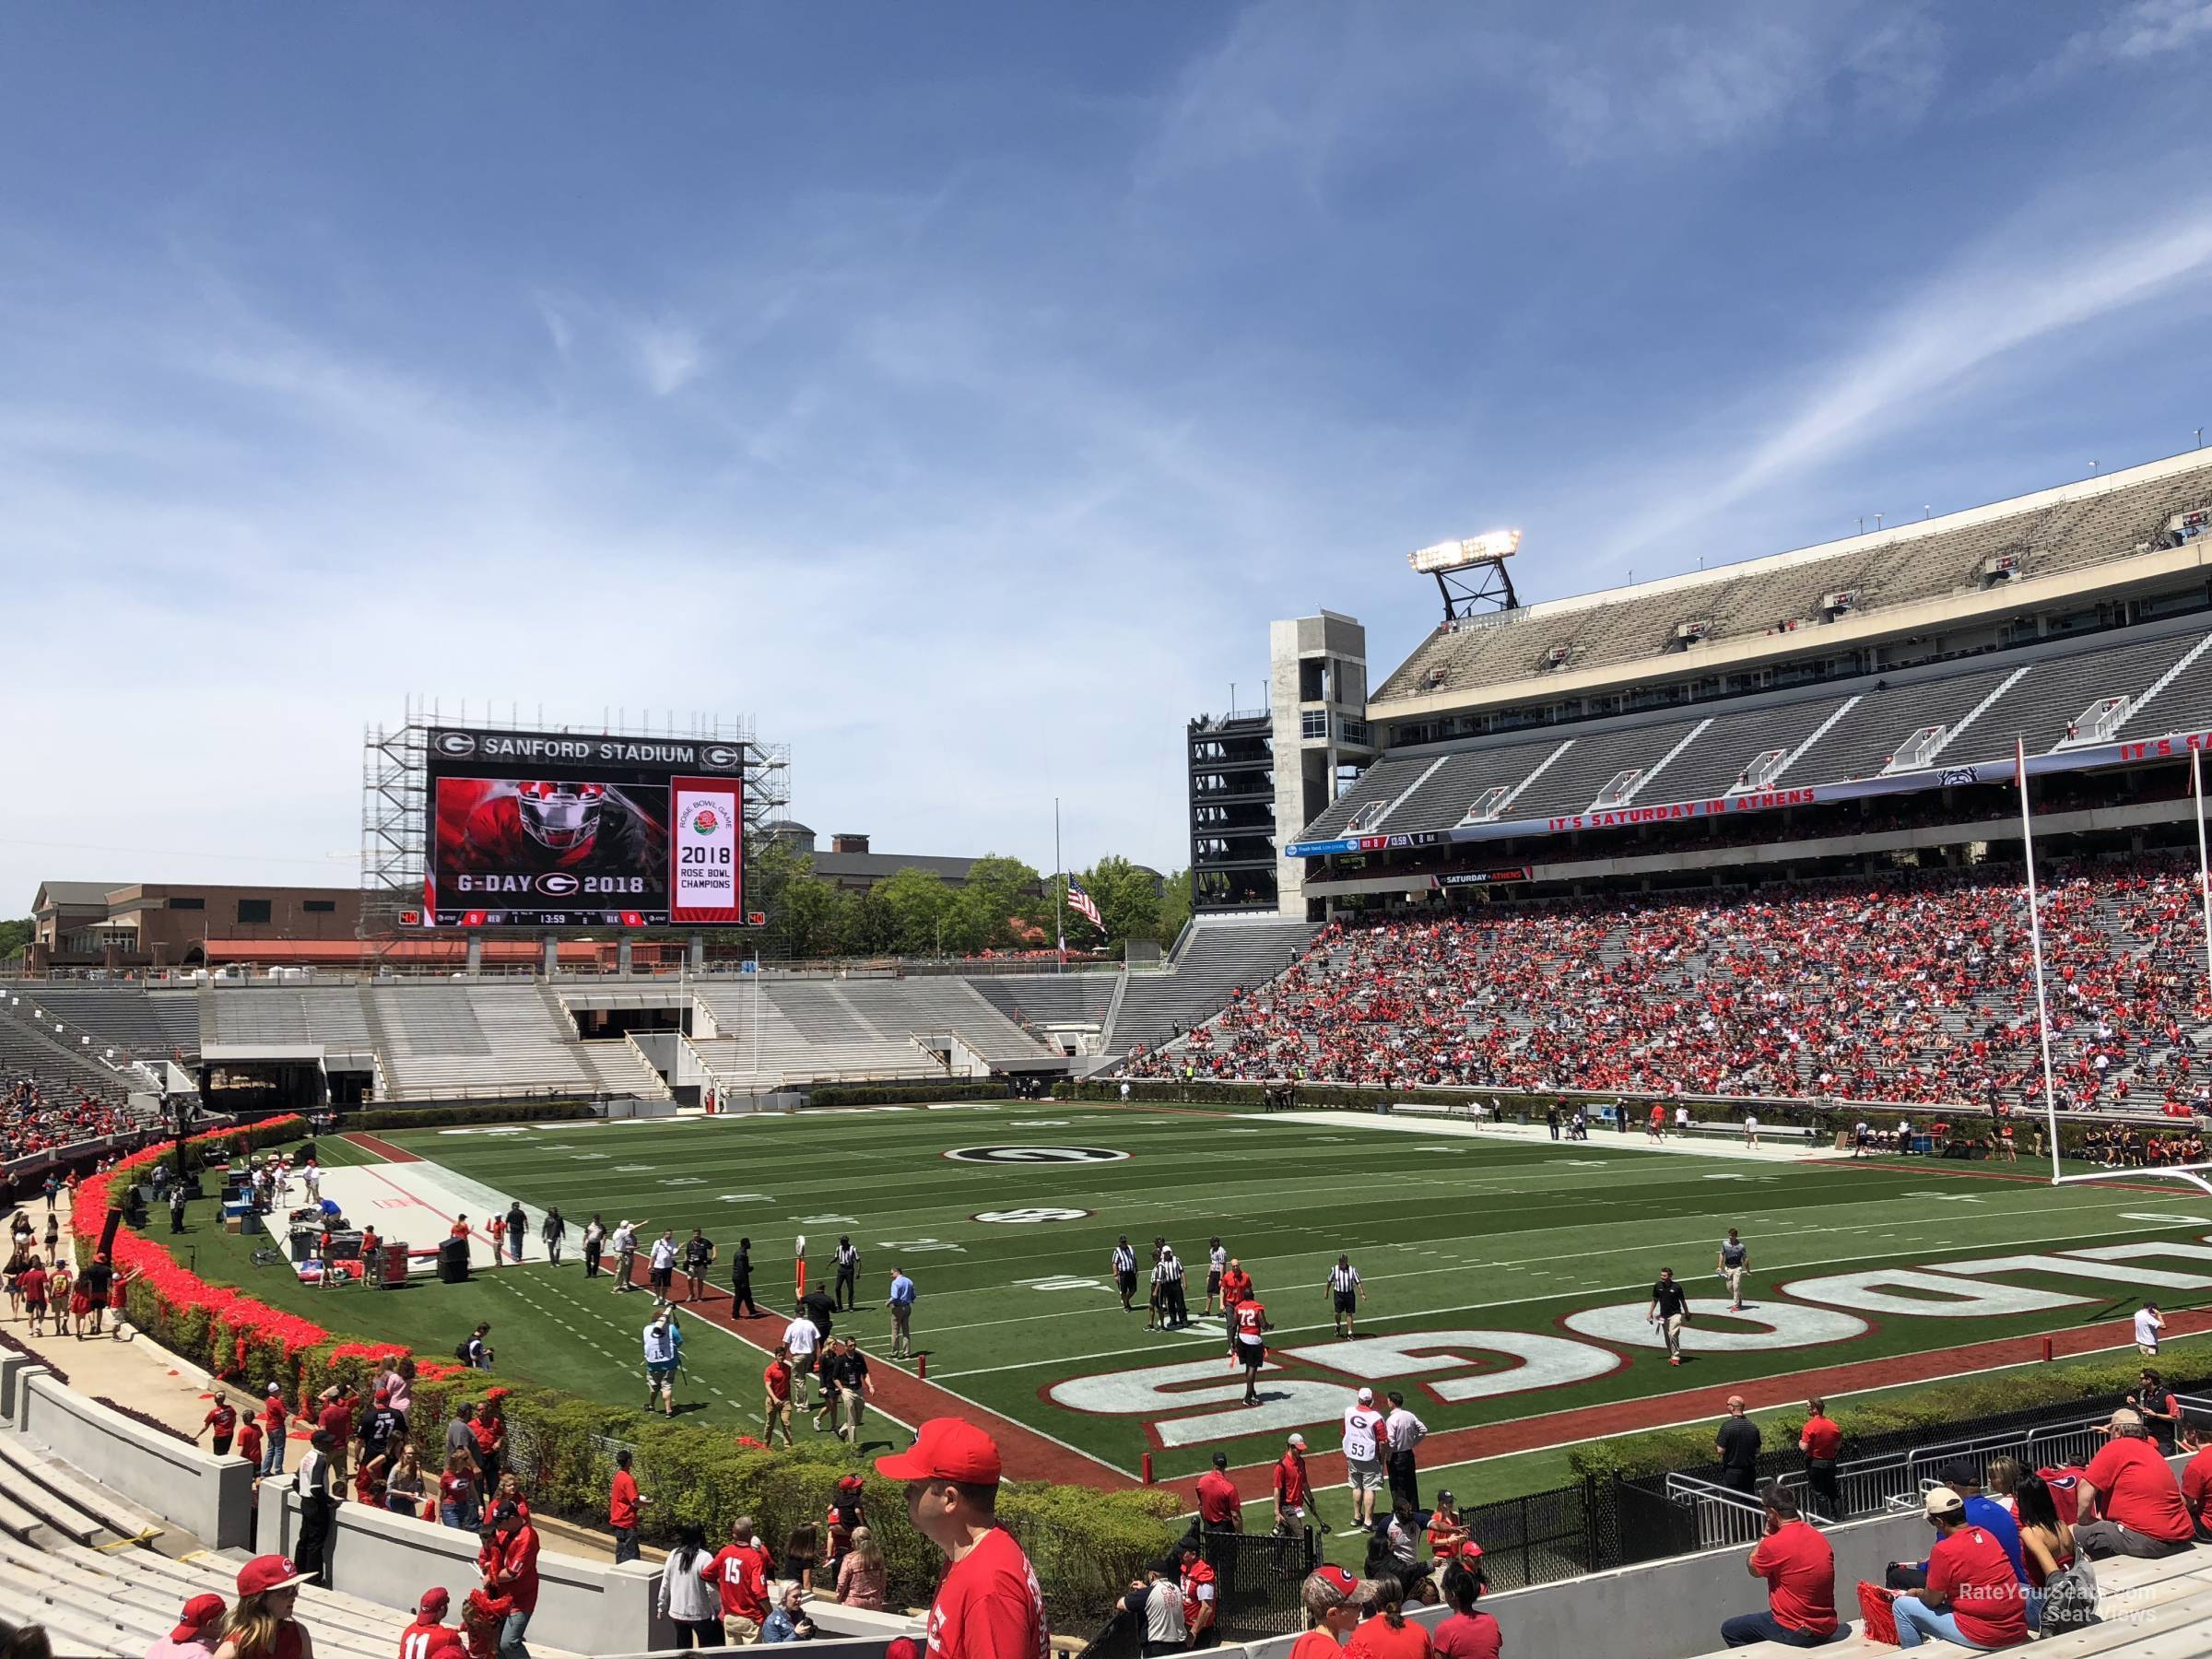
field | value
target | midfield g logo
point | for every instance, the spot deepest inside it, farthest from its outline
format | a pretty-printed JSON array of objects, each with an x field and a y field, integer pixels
[{"x": 1036, "y": 1155}]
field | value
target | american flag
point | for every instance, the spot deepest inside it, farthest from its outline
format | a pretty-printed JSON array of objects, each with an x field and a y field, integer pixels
[{"x": 1083, "y": 904}]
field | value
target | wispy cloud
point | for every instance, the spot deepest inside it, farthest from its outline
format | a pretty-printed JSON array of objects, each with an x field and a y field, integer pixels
[
  {"x": 1313, "y": 88},
  {"x": 1990, "y": 306},
  {"x": 670, "y": 355}
]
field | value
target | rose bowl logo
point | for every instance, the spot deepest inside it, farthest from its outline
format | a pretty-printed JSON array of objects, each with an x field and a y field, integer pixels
[
  {"x": 556, "y": 884},
  {"x": 705, "y": 821},
  {"x": 456, "y": 743}
]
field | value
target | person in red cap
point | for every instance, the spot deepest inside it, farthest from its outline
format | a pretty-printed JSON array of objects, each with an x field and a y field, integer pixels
[
  {"x": 989, "y": 1606},
  {"x": 429, "y": 1631},
  {"x": 261, "y": 1624},
  {"x": 199, "y": 1626},
  {"x": 846, "y": 1516},
  {"x": 1332, "y": 1599}
]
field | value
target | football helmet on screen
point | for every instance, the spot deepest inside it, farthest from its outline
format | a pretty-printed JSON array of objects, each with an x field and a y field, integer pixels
[{"x": 560, "y": 815}]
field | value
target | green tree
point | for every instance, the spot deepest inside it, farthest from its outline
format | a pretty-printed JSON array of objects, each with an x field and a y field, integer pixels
[
  {"x": 918, "y": 901},
  {"x": 1004, "y": 898},
  {"x": 1127, "y": 896},
  {"x": 15, "y": 937},
  {"x": 1174, "y": 906},
  {"x": 813, "y": 920}
]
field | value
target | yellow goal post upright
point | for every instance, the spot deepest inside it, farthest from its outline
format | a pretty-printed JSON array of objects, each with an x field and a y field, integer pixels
[{"x": 2191, "y": 1174}]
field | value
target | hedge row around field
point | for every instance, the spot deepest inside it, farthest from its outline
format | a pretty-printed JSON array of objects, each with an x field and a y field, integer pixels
[
  {"x": 440, "y": 1117},
  {"x": 1937, "y": 1407},
  {"x": 1086, "y": 1544},
  {"x": 894, "y": 1094}
]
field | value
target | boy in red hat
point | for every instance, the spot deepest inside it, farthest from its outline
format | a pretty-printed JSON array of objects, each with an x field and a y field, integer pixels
[
  {"x": 429, "y": 1631},
  {"x": 989, "y": 1606}
]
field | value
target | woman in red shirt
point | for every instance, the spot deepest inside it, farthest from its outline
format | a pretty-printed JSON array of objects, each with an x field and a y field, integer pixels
[
  {"x": 1387, "y": 1635},
  {"x": 1332, "y": 1599},
  {"x": 1466, "y": 1634}
]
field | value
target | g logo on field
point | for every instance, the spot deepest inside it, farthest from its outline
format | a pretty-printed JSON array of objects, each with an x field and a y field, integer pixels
[
  {"x": 1036, "y": 1155},
  {"x": 556, "y": 884},
  {"x": 456, "y": 743},
  {"x": 1043, "y": 1212}
]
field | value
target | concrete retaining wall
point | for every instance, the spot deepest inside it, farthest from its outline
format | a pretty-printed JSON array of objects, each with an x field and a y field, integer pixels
[
  {"x": 586, "y": 1607},
  {"x": 209, "y": 1497}
]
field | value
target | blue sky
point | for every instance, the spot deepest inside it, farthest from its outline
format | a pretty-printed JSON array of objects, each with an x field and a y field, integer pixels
[{"x": 961, "y": 391}]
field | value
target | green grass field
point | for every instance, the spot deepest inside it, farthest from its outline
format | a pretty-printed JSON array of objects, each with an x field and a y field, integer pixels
[{"x": 1477, "y": 1241}]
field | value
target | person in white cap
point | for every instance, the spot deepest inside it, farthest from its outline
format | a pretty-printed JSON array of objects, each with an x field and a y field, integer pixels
[
  {"x": 1973, "y": 1596},
  {"x": 1362, "y": 1457},
  {"x": 1294, "y": 1490}
]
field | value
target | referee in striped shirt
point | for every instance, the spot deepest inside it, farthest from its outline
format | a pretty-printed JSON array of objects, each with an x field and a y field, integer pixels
[
  {"x": 1346, "y": 1293},
  {"x": 1167, "y": 1274}
]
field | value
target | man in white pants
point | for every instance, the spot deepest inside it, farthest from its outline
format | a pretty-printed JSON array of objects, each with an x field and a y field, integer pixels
[
  {"x": 1364, "y": 1458},
  {"x": 1750, "y": 1129},
  {"x": 800, "y": 1337},
  {"x": 1734, "y": 1256},
  {"x": 2149, "y": 1322}
]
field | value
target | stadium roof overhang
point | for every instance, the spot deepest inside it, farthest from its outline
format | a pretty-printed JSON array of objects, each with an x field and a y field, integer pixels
[{"x": 1949, "y": 611}]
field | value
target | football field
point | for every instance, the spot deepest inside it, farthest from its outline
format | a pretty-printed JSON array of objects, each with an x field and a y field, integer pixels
[{"x": 1506, "y": 1279}]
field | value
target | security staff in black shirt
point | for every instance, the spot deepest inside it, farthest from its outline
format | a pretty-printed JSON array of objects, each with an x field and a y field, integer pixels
[
  {"x": 741, "y": 1282},
  {"x": 1737, "y": 1445},
  {"x": 1670, "y": 1312}
]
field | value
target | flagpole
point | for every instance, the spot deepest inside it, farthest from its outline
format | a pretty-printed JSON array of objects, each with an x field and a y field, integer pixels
[
  {"x": 2204, "y": 868},
  {"x": 2035, "y": 936},
  {"x": 1059, "y": 892}
]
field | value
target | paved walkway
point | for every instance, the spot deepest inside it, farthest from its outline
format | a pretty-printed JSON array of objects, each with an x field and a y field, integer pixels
[{"x": 130, "y": 1371}]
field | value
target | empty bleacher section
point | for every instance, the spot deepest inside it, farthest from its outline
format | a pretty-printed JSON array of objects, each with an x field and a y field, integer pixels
[
  {"x": 1713, "y": 764},
  {"x": 1862, "y": 744},
  {"x": 2036, "y": 692},
  {"x": 143, "y": 1023},
  {"x": 1049, "y": 999},
  {"x": 29, "y": 1048},
  {"x": 1220, "y": 955},
  {"x": 852, "y": 1028},
  {"x": 2074, "y": 528},
  {"x": 328, "y": 1017}
]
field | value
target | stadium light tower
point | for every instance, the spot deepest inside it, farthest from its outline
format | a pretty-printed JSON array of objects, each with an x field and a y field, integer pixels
[{"x": 1471, "y": 574}]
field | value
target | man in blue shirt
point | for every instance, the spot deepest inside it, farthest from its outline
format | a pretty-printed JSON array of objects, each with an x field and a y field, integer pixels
[
  {"x": 1987, "y": 1513},
  {"x": 901, "y": 1304}
]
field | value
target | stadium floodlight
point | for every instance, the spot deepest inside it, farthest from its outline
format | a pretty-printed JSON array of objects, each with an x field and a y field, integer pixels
[{"x": 1458, "y": 555}]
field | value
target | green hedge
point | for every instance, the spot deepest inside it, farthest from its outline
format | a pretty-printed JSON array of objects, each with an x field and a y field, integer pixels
[
  {"x": 890, "y": 1094},
  {"x": 1940, "y": 1405},
  {"x": 439, "y": 1117}
]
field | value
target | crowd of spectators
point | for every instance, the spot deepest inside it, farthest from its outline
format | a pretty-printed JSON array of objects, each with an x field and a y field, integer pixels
[
  {"x": 1909, "y": 988},
  {"x": 33, "y": 1120}
]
